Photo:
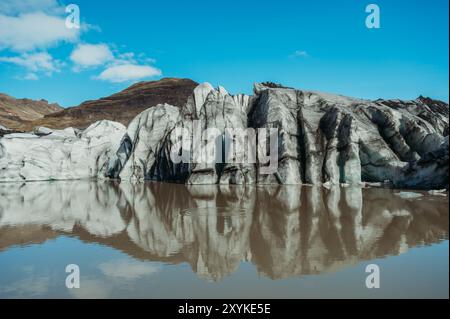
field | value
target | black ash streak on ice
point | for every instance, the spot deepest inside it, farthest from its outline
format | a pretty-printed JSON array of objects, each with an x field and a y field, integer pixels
[{"x": 323, "y": 139}]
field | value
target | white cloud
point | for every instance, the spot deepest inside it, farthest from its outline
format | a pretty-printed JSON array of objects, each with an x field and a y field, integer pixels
[
  {"x": 89, "y": 55},
  {"x": 41, "y": 62},
  {"x": 30, "y": 26},
  {"x": 117, "y": 73},
  {"x": 299, "y": 53},
  {"x": 127, "y": 270},
  {"x": 120, "y": 67},
  {"x": 30, "y": 31},
  {"x": 14, "y": 7}
]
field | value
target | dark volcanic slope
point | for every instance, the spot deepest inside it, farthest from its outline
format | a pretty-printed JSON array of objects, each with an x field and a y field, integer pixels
[
  {"x": 123, "y": 106},
  {"x": 14, "y": 113}
]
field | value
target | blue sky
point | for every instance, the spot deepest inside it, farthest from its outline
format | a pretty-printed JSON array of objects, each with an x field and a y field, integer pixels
[{"x": 318, "y": 45}]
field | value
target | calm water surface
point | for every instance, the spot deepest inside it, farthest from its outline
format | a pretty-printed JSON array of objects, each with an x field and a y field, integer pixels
[{"x": 159, "y": 240}]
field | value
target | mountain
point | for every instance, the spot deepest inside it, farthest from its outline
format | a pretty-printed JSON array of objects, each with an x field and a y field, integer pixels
[
  {"x": 121, "y": 107},
  {"x": 315, "y": 138},
  {"x": 16, "y": 113}
]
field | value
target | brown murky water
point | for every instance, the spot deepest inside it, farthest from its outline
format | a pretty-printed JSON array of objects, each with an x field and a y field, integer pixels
[{"x": 158, "y": 240}]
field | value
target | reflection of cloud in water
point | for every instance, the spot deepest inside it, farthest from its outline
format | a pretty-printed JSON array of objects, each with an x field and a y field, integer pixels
[
  {"x": 113, "y": 273},
  {"x": 30, "y": 286},
  {"x": 283, "y": 230},
  {"x": 125, "y": 269},
  {"x": 92, "y": 288}
]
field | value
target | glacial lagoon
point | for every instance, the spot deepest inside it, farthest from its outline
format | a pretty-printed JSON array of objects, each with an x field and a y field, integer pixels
[{"x": 159, "y": 240}]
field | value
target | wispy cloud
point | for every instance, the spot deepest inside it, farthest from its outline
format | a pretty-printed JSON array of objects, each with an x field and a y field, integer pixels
[
  {"x": 31, "y": 77},
  {"x": 299, "y": 54}
]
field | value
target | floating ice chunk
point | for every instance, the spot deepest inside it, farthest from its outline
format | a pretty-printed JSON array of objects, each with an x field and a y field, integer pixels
[
  {"x": 408, "y": 195},
  {"x": 438, "y": 192}
]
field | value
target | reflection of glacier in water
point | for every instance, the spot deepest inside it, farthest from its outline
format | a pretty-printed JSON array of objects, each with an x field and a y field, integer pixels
[{"x": 284, "y": 231}]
